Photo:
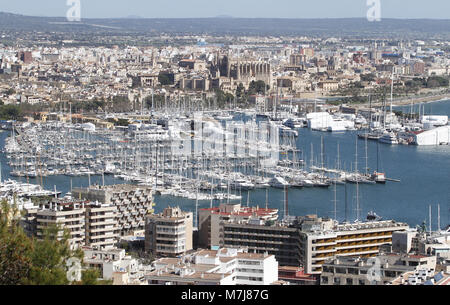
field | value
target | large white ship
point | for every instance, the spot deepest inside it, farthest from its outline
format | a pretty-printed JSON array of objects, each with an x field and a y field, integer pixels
[{"x": 389, "y": 138}]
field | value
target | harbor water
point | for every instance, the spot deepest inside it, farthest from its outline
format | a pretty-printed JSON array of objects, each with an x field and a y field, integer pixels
[{"x": 424, "y": 174}]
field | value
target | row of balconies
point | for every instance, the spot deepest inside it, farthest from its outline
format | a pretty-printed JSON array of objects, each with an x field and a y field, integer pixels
[
  {"x": 357, "y": 250},
  {"x": 322, "y": 255},
  {"x": 363, "y": 243},
  {"x": 260, "y": 248},
  {"x": 324, "y": 241},
  {"x": 103, "y": 229},
  {"x": 103, "y": 223},
  {"x": 364, "y": 235},
  {"x": 258, "y": 234},
  {"x": 105, "y": 215},
  {"x": 102, "y": 236},
  {"x": 248, "y": 239}
]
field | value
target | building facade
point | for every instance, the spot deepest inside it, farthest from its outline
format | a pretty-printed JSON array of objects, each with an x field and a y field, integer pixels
[
  {"x": 169, "y": 233},
  {"x": 133, "y": 203}
]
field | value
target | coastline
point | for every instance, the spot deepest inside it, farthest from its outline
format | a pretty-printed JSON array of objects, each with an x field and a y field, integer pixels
[{"x": 411, "y": 100}]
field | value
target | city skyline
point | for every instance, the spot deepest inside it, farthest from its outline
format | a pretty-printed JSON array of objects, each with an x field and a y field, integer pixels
[{"x": 434, "y": 9}]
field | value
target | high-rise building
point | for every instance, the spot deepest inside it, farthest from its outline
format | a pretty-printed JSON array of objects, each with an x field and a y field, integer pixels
[
  {"x": 133, "y": 203},
  {"x": 210, "y": 220},
  {"x": 87, "y": 223},
  {"x": 309, "y": 241},
  {"x": 169, "y": 233},
  {"x": 68, "y": 216},
  {"x": 102, "y": 228}
]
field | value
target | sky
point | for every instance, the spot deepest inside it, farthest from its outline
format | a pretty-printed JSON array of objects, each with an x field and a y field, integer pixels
[{"x": 434, "y": 9}]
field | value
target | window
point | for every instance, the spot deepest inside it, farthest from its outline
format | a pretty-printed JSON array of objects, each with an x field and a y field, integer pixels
[
  {"x": 324, "y": 280},
  {"x": 337, "y": 281},
  {"x": 361, "y": 282},
  {"x": 328, "y": 269},
  {"x": 349, "y": 281}
]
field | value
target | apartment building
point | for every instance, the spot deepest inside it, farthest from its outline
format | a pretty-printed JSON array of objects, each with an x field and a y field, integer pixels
[
  {"x": 102, "y": 230},
  {"x": 387, "y": 267},
  {"x": 225, "y": 266},
  {"x": 420, "y": 242},
  {"x": 87, "y": 223},
  {"x": 169, "y": 234},
  {"x": 322, "y": 239},
  {"x": 309, "y": 241},
  {"x": 115, "y": 265},
  {"x": 211, "y": 218},
  {"x": 277, "y": 239},
  {"x": 133, "y": 203},
  {"x": 68, "y": 216}
]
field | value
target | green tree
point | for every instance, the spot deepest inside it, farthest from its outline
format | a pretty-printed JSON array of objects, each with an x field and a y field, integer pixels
[
  {"x": 10, "y": 91},
  {"x": 257, "y": 87},
  {"x": 164, "y": 79},
  {"x": 31, "y": 261},
  {"x": 15, "y": 247},
  {"x": 91, "y": 277},
  {"x": 50, "y": 258},
  {"x": 10, "y": 112}
]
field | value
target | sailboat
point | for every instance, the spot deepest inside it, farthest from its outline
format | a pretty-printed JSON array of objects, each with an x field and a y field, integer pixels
[{"x": 377, "y": 176}]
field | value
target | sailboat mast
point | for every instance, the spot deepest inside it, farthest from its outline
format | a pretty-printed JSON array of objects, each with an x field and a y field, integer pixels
[{"x": 392, "y": 87}]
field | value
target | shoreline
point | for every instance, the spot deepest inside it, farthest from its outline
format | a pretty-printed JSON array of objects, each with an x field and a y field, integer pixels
[{"x": 412, "y": 100}]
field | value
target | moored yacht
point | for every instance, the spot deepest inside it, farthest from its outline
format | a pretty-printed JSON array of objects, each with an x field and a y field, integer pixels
[
  {"x": 389, "y": 138},
  {"x": 278, "y": 182}
]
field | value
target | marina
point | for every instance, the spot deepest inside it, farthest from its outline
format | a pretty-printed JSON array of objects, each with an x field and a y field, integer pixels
[{"x": 308, "y": 167}]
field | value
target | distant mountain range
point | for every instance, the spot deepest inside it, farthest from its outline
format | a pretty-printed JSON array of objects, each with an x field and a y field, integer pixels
[{"x": 227, "y": 25}]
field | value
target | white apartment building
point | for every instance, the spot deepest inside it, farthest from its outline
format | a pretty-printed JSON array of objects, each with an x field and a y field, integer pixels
[
  {"x": 225, "y": 266},
  {"x": 115, "y": 265}
]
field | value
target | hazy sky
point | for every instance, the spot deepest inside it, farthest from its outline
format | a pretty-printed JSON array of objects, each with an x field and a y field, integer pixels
[{"x": 439, "y": 9}]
